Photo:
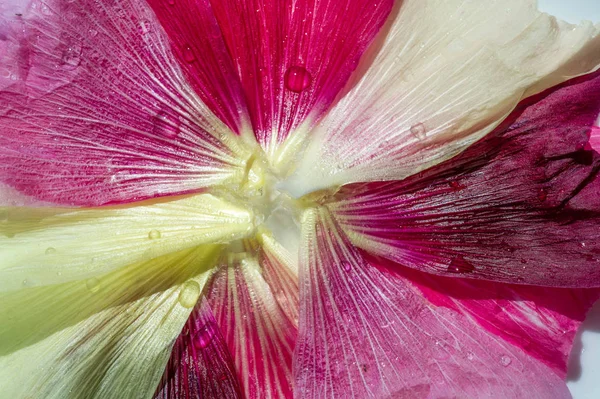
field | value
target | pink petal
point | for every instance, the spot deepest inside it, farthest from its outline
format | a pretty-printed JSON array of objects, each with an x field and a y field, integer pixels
[
  {"x": 197, "y": 42},
  {"x": 293, "y": 57},
  {"x": 368, "y": 332},
  {"x": 519, "y": 206},
  {"x": 200, "y": 365},
  {"x": 258, "y": 333},
  {"x": 595, "y": 138},
  {"x": 100, "y": 111}
]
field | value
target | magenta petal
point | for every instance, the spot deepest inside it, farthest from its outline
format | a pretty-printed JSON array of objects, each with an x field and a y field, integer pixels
[
  {"x": 197, "y": 42},
  {"x": 368, "y": 332},
  {"x": 294, "y": 56},
  {"x": 521, "y": 205},
  {"x": 200, "y": 365},
  {"x": 258, "y": 333},
  {"x": 99, "y": 110}
]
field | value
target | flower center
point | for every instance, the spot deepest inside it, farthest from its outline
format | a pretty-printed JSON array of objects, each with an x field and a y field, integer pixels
[{"x": 275, "y": 210}]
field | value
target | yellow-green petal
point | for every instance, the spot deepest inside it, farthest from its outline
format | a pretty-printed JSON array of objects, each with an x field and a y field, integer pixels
[{"x": 43, "y": 246}]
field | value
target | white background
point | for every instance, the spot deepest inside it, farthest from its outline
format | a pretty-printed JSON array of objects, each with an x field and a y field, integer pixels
[{"x": 584, "y": 364}]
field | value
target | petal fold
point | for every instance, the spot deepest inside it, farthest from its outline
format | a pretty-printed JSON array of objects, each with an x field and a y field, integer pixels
[
  {"x": 520, "y": 206},
  {"x": 447, "y": 73}
]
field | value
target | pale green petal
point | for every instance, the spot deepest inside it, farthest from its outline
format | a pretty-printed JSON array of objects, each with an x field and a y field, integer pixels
[
  {"x": 46, "y": 246},
  {"x": 109, "y": 337}
]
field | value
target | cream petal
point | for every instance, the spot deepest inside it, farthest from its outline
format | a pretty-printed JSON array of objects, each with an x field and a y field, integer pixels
[{"x": 446, "y": 74}]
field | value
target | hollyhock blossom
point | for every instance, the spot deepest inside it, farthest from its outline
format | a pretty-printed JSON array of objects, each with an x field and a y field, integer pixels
[{"x": 310, "y": 198}]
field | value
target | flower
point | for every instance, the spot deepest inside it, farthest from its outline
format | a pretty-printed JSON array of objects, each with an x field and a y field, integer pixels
[{"x": 314, "y": 198}]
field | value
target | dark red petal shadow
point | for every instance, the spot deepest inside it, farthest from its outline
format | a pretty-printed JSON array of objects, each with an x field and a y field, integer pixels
[{"x": 520, "y": 206}]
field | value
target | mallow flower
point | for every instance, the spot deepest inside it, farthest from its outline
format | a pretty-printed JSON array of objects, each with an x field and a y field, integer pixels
[{"x": 308, "y": 198}]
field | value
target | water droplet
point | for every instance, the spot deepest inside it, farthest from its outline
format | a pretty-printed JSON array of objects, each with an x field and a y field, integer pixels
[
  {"x": 204, "y": 336},
  {"x": 454, "y": 185},
  {"x": 582, "y": 244},
  {"x": 189, "y": 293},
  {"x": 71, "y": 57},
  {"x": 25, "y": 283},
  {"x": 50, "y": 251},
  {"x": 93, "y": 284},
  {"x": 347, "y": 266},
  {"x": 419, "y": 131},
  {"x": 144, "y": 27},
  {"x": 165, "y": 125},
  {"x": 542, "y": 194},
  {"x": 188, "y": 54},
  {"x": 470, "y": 356},
  {"x": 460, "y": 265},
  {"x": 505, "y": 360},
  {"x": 154, "y": 234},
  {"x": 297, "y": 79}
]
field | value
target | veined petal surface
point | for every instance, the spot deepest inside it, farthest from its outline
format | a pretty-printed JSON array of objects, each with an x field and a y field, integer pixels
[
  {"x": 257, "y": 329},
  {"x": 107, "y": 339},
  {"x": 98, "y": 110},
  {"x": 368, "y": 332},
  {"x": 197, "y": 42},
  {"x": 294, "y": 56},
  {"x": 447, "y": 73},
  {"x": 200, "y": 365},
  {"x": 41, "y": 246},
  {"x": 521, "y": 206}
]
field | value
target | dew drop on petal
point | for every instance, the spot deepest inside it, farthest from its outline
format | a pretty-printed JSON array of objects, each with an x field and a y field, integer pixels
[
  {"x": 188, "y": 54},
  {"x": 189, "y": 293},
  {"x": 154, "y": 234},
  {"x": 297, "y": 79},
  {"x": 542, "y": 194},
  {"x": 144, "y": 27},
  {"x": 505, "y": 360},
  {"x": 164, "y": 125},
  {"x": 454, "y": 185},
  {"x": 71, "y": 57},
  {"x": 204, "y": 336},
  {"x": 470, "y": 356},
  {"x": 460, "y": 265},
  {"x": 92, "y": 284},
  {"x": 419, "y": 131},
  {"x": 50, "y": 251},
  {"x": 346, "y": 265}
]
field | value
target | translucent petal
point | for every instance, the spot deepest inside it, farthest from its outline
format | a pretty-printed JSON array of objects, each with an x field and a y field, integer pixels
[
  {"x": 41, "y": 246},
  {"x": 103, "y": 338}
]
